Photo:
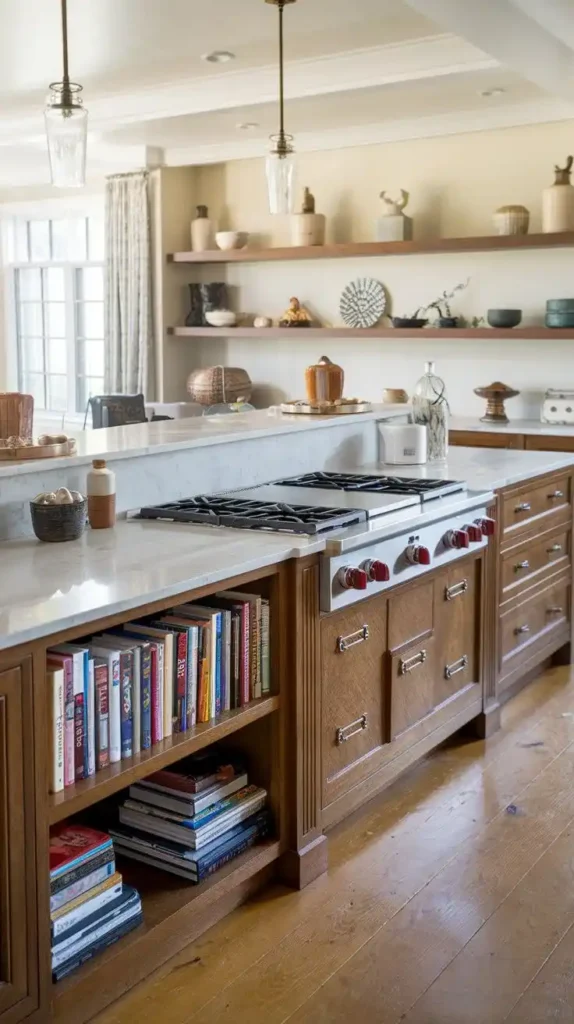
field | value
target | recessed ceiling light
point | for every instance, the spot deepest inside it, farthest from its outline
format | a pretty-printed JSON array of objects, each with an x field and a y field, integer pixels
[
  {"x": 247, "y": 126},
  {"x": 218, "y": 56},
  {"x": 491, "y": 92}
]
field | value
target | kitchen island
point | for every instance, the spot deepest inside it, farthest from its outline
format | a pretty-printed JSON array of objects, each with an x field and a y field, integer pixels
[{"x": 357, "y": 694}]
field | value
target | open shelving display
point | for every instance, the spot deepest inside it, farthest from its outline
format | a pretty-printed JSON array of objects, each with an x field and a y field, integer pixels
[
  {"x": 346, "y": 250},
  {"x": 450, "y": 333}
]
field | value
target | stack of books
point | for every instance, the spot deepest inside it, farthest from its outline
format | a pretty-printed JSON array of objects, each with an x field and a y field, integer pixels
[
  {"x": 124, "y": 691},
  {"x": 193, "y": 820},
  {"x": 90, "y": 907}
]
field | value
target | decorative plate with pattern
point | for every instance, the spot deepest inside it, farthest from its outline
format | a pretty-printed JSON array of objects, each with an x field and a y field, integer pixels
[{"x": 363, "y": 302}]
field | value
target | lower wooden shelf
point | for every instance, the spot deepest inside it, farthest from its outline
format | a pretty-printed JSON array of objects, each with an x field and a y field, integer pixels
[
  {"x": 117, "y": 776},
  {"x": 175, "y": 913}
]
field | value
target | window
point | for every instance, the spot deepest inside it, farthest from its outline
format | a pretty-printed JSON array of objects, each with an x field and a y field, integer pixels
[{"x": 59, "y": 310}]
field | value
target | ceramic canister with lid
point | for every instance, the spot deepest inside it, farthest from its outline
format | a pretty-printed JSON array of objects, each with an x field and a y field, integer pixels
[
  {"x": 101, "y": 493},
  {"x": 324, "y": 381}
]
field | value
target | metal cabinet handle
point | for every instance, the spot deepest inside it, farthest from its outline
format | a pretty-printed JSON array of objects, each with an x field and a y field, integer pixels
[
  {"x": 524, "y": 506},
  {"x": 521, "y": 629},
  {"x": 408, "y": 664},
  {"x": 553, "y": 549},
  {"x": 456, "y": 590},
  {"x": 457, "y": 666},
  {"x": 555, "y": 610},
  {"x": 344, "y": 642},
  {"x": 522, "y": 565},
  {"x": 555, "y": 494},
  {"x": 345, "y": 732}
]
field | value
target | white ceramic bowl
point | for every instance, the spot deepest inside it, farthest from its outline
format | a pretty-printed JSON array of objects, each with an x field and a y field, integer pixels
[
  {"x": 231, "y": 239},
  {"x": 221, "y": 317}
]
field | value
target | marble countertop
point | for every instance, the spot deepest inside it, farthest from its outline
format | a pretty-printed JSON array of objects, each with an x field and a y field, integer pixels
[
  {"x": 49, "y": 587},
  {"x": 483, "y": 469},
  {"x": 514, "y": 427},
  {"x": 115, "y": 443}
]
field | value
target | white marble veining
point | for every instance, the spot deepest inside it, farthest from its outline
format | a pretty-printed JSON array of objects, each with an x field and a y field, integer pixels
[
  {"x": 514, "y": 427},
  {"x": 48, "y": 587},
  {"x": 483, "y": 469},
  {"x": 116, "y": 443}
]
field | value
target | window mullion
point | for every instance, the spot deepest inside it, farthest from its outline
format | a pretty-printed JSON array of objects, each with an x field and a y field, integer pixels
[{"x": 71, "y": 337}]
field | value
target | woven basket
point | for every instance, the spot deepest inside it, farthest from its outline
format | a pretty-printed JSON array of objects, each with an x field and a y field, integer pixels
[
  {"x": 55, "y": 523},
  {"x": 217, "y": 384}
]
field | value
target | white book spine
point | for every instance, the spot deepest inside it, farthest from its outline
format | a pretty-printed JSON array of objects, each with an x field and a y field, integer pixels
[
  {"x": 136, "y": 702},
  {"x": 91, "y": 719},
  {"x": 114, "y": 699},
  {"x": 98, "y": 933},
  {"x": 161, "y": 686},
  {"x": 168, "y": 687},
  {"x": 56, "y": 677},
  {"x": 194, "y": 657}
]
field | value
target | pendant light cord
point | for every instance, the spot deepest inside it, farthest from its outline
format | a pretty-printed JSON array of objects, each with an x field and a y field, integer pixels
[
  {"x": 66, "y": 78},
  {"x": 281, "y": 97}
]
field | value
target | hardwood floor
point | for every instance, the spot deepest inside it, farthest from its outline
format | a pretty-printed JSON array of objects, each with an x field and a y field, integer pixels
[{"x": 449, "y": 900}]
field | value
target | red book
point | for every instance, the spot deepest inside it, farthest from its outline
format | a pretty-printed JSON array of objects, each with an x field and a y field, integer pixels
[
  {"x": 74, "y": 844},
  {"x": 181, "y": 683},
  {"x": 102, "y": 715},
  {"x": 79, "y": 736},
  {"x": 65, "y": 662},
  {"x": 156, "y": 716}
]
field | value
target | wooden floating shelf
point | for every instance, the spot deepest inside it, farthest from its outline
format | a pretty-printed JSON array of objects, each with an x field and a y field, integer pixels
[
  {"x": 174, "y": 914},
  {"x": 123, "y": 773},
  {"x": 454, "y": 333},
  {"x": 481, "y": 243}
]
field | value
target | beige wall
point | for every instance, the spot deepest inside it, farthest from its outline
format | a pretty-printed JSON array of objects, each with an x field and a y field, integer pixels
[{"x": 455, "y": 183}]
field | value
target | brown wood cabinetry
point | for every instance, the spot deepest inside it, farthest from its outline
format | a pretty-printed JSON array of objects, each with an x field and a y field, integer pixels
[
  {"x": 19, "y": 981},
  {"x": 395, "y": 670},
  {"x": 484, "y": 439}
]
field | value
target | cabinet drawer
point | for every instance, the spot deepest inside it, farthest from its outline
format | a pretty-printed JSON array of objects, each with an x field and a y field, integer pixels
[
  {"x": 457, "y": 628},
  {"x": 410, "y": 615},
  {"x": 412, "y": 685},
  {"x": 534, "y": 619},
  {"x": 354, "y": 701},
  {"x": 526, "y": 563},
  {"x": 542, "y": 503}
]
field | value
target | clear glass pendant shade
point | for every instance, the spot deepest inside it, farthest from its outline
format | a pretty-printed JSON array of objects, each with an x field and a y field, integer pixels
[
  {"x": 67, "y": 132},
  {"x": 280, "y": 170}
]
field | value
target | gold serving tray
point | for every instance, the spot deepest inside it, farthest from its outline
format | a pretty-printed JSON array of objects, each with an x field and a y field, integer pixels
[
  {"x": 38, "y": 451},
  {"x": 328, "y": 409}
]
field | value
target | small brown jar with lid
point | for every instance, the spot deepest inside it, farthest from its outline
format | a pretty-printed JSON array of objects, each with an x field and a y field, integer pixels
[
  {"x": 101, "y": 492},
  {"x": 324, "y": 381}
]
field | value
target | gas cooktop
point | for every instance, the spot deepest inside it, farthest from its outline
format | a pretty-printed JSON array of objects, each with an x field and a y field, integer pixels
[
  {"x": 253, "y": 514},
  {"x": 373, "y": 484}
]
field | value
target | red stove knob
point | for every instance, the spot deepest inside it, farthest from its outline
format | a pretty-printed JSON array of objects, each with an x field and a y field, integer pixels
[
  {"x": 488, "y": 526},
  {"x": 352, "y": 579},
  {"x": 474, "y": 533},
  {"x": 456, "y": 539},
  {"x": 416, "y": 554},
  {"x": 377, "y": 572}
]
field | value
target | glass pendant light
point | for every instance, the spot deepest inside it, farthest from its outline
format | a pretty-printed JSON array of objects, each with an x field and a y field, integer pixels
[
  {"x": 66, "y": 124},
  {"x": 281, "y": 160}
]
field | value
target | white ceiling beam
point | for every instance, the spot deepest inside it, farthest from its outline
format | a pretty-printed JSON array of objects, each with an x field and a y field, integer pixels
[
  {"x": 505, "y": 32},
  {"x": 426, "y": 58}
]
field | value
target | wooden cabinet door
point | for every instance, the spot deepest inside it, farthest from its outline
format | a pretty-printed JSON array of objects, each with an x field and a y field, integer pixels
[
  {"x": 458, "y": 611},
  {"x": 485, "y": 439},
  {"x": 354, "y": 694},
  {"x": 18, "y": 931}
]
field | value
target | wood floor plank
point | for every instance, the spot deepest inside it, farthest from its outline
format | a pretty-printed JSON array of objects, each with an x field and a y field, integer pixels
[
  {"x": 550, "y": 995},
  {"x": 483, "y": 983},
  {"x": 288, "y": 944}
]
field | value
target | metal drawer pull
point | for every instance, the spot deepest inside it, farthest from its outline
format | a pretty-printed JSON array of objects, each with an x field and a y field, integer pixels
[
  {"x": 522, "y": 565},
  {"x": 524, "y": 506},
  {"x": 344, "y": 642},
  {"x": 553, "y": 549},
  {"x": 521, "y": 629},
  {"x": 555, "y": 494},
  {"x": 347, "y": 731},
  {"x": 556, "y": 610},
  {"x": 457, "y": 666},
  {"x": 408, "y": 664},
  {"x": 456, "y": 590}
]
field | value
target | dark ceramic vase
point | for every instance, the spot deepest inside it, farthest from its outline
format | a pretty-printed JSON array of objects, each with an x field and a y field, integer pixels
[
  {"x": 195, "y": 316},
  {"x": 213, "y": 296},
  {"x": 448, "y": 321},
  {"x": 408, "y": 321}
]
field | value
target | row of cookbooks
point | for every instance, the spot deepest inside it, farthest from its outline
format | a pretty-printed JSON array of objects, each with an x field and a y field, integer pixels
[
  {"x": 189, "y": 820},
  {"x": 122, "y": 691}
]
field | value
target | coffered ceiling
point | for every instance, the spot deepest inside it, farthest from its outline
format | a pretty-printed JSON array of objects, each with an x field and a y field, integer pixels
[{"x": 356, "y": 71}]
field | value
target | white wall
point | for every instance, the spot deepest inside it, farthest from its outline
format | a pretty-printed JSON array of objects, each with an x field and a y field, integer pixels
[{"x": 456, "y": 183}]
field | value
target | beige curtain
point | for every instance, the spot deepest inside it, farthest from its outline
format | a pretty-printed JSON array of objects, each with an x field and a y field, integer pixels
[{"x": 129, "y": 334}]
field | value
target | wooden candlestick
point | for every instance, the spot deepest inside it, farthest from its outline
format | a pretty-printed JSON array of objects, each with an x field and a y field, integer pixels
[{"x": 496, "y": 395}]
